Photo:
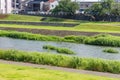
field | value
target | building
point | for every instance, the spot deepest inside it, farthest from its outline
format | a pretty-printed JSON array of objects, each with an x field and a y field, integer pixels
[
  {"x": 86, "y": 4},
  {"x": 5, "y": 6},
  {"x": 17, "y": 5},
  {"x": 41, "y": 5},
  {"x": 14, "y": 6},
  {"x": 50, "y": 5}
]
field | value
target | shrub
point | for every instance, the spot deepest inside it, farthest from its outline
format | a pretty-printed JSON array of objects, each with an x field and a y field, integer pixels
[
  {"x": 59, "y": 50},
  {"x": 110, "y": 50},
  {"x": 62, "y": 60}
]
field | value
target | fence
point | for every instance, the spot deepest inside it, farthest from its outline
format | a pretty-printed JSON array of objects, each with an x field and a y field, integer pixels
[{"x": 79, "y": 17}]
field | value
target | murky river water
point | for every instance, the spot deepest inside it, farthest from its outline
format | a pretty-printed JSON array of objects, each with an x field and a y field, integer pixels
[{"x": 81, "y": 50}]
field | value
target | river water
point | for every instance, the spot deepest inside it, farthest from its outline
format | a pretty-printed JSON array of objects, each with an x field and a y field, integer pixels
[{"x": 81, "y": 50}]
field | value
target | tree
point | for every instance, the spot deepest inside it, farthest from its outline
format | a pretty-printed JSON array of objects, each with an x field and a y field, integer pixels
[
  {"x": 107, "y": 6},
  {"x": 95, "y": 9},
  {"x": 66, "y": 6},
  {"x": 116, "y": 9},
  {"x": 101, "y": 9}
]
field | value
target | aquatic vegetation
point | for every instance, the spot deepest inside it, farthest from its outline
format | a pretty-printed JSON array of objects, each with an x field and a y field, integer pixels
[{"x": 58, "y": 49}]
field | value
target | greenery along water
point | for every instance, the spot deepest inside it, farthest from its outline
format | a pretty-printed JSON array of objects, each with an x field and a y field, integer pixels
[
  {"x": 58, "y": 49},
  {"x": 62, "y": 60},
  {"x": 111, "y": 50},
  {"x": 81, "y": 50},
  {"x": 102, "y": 40}
]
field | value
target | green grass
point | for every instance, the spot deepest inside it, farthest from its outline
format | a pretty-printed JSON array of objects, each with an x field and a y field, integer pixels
[
  {"x": 13, "y": 17},
  {"x": 83, "y": 25},
  {"x": 12, "y": 72},
  {"x": 113, "y": 27},
  {"x": 101, "y": 40},
  {"x": 110, "y": 50},
  {"x": 60, "y": 60},
  {"x": 58, "y": 49}
]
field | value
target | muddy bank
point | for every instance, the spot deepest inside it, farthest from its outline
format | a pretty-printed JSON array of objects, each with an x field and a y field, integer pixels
[{"x": 55, "y": 32}]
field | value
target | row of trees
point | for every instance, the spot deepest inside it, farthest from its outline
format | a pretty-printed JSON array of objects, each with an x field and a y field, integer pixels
[
  {"x": 67, "y": 7},
  {"x": 105, "y": 7}
]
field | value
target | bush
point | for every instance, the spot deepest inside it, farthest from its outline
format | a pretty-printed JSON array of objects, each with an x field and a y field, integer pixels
[
  {"x": 59, "y": 50},
  {"x": 110, "y": 50},
  {"x": 62, "y": 60}
]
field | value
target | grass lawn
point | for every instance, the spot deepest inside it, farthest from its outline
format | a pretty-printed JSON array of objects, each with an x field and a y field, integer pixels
[
  {"x": 88, "y": 27},
  {"x": 83, "y": 25},
  {"x": 12, "y": 72},
  {"x": 13, "y": 17}
]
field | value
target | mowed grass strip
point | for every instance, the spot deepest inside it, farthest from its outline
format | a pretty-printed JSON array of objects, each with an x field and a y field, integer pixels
[
  {"x": 12, "y": 72},
  {"x": 13, "y": 17},
  {"x": 85, "y": 27}
]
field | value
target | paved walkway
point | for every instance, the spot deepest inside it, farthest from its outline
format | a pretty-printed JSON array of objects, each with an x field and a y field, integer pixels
[{"x": 110, "y": 75}]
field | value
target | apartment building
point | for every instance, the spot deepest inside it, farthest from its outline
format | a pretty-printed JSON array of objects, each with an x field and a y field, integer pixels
[
  {"x": 5, "y": 7},
  {"x": 41, "y": 5},
  {"x": 17, "y": 5}
]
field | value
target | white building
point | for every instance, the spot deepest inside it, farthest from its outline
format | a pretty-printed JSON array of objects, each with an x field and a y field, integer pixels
[
  {"x": 5, "y": 6},
  {"x": 50, "y": 5}
]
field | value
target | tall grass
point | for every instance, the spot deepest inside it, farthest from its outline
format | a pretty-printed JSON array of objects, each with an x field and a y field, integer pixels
[
  {"x": 29, "y": 36},
  {"x": 110, "y": 50},
  {"x": 62, "y": 60},
  {"x": 58, "y": 49},
  {"x": 102, "y": 39}
]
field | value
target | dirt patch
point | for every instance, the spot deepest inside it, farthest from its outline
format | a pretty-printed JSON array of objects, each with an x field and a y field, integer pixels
[
  {"x": 55, "y": 32},
  {"x": 2, "y": 16}
]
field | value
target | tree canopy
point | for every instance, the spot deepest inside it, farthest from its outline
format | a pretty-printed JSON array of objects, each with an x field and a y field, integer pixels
[
  {"x": 67, "y": 7},
  {"x": 105, "y": 7}
]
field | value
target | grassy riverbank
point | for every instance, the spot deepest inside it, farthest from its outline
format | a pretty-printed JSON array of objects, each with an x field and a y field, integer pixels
[
  {"x": 85, "y": 26},
  {"x": 13, "y": 72},
  {"x": 113, "y": 27},
  {"x": 101, "y": 40},
  {"x": 13, "y": 17},
  {"x": 62, "y": 61},
  {"x": 28, "y": 18}
]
